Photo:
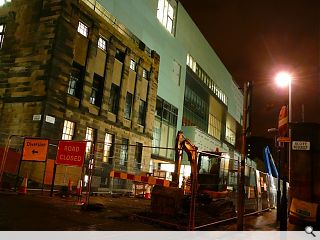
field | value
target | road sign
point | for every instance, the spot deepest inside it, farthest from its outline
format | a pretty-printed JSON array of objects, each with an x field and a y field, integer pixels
[
  {"x": 71, "y": 153},
  {"x": 283, "y": 121},
  {"x": 283, "y": 139},
  {"x": 300, "y": 145},
  {"x": 35, "y": 149}
]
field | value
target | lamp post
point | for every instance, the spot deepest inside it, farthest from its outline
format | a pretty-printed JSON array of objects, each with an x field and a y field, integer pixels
[
  {"x": 283, "y": 79},
  {"x": 275, "y": 132}
]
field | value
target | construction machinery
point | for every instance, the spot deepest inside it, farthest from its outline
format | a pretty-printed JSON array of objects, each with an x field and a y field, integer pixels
[{"x": 204, "y": 192}]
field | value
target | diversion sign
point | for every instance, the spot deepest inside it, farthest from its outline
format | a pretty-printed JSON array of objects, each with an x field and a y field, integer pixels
[{"x": 71, "y": 153}]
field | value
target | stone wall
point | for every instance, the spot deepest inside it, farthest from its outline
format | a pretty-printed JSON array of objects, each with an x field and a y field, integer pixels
[{"x": 41, "y": 45}]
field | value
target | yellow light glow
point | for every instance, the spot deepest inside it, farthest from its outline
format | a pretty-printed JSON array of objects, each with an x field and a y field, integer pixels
[{"x": 283, "y": 79}]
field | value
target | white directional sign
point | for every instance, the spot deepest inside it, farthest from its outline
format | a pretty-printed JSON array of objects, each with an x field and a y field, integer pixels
[{"x": 300, "y": 145}]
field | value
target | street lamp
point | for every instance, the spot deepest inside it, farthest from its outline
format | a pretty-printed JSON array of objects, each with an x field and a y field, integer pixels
[{"x": 284, "y": 79}]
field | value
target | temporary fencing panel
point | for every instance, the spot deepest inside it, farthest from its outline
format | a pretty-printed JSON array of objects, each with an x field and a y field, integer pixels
[{"x": 129, "y": 169}]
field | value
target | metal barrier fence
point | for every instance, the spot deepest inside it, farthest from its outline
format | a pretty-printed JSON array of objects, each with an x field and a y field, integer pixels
[
  {"x": 132, "y": 163},
  {"x": 100, "y": 161}
]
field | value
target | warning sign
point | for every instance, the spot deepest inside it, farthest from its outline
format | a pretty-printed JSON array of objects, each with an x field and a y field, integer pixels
[
  {"x": 35, "y": 149},
  {"x": 71, "y": 153}
]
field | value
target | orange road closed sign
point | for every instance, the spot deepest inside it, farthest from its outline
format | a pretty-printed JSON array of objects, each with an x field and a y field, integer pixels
[{"x": 35, "y": 149}]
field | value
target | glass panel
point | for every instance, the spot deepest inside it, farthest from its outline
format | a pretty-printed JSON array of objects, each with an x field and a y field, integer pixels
[
  {"x": 156, "y": 136},
  {"x": 102, "y": 44},
  {"x": 124, "y": 152},
  {"x": 68, "y": 130},
  {"x": 164, "y": 139},
  {"x": 108, "y": 148},
  {"x": 171, "y": 142},
  {"x": 83, "y": 29}
]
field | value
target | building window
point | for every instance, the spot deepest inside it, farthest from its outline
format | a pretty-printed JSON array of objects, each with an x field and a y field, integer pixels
[
  {"x": 128, "y": 105},
  {"x": 132, "y": 65},
  {"x": 68, "y": 130},
  {"x": 214, "y": 127},
  {"x": 2, "y": 28},
  {"x": 142, "y": 112},
  {"x": 124, "y": 153},
  {"x": 164, "y": 130},
  {"x": 108, "y": 148},
  {"x": 83, "y": 29},
  {"x": 204, "y": 77},
  {"x": 97, "y": 90},
  {"x": 195, "y": 109},
  {"x": 138, "y": 155},
  {"x": 120, "y": 55},
  {"x": 75, "y": 81},
  {"x": 102, "y": 44},
  {"x": 145, "y": 74},
  {"x": 230, "y": 136},
  {"x": 191, "y": 62},
  {"x": 90, "y": 138},
  {"x": 114, "y": 98},
  {"x": 166, "y": 13}
]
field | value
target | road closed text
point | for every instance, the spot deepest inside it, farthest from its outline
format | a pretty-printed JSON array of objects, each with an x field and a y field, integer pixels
[
  {"x": 71, "y": 153},
  {"x": 70, "y": 158}
]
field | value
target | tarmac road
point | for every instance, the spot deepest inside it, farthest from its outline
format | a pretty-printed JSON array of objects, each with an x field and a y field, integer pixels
[
  {"x": 40, "y": 212},
  {"x": 36, "y": 212}
]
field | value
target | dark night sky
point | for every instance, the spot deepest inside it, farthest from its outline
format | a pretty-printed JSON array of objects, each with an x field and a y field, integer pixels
[{"x": 255, "y": 39}]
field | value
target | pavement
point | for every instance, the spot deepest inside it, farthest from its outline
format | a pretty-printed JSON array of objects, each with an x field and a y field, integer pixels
[{"x": 37, "y": 211}]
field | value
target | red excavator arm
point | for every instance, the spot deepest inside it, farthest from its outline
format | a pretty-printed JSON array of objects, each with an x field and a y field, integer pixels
[{"x": 184, "y": 144}]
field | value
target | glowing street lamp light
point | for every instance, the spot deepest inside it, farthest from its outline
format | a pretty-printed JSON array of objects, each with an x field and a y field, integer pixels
[{"x": 283, "y": 79}]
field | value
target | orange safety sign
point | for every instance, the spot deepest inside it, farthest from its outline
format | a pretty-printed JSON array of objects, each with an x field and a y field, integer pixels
[{"x": 35, "y": 149}]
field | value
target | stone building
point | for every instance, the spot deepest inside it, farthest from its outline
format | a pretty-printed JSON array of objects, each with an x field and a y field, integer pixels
[{"x": 66, "y": 72}]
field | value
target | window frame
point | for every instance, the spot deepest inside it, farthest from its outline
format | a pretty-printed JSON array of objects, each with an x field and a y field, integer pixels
[
  {"x": 2, "y": 32},
  {"x": 83, "y": 29},
  {"x": 128, "y": 105},
  {"x": 164, "y": 10},
  {"x": 97, "y": 90},
  {"x": 169, "y": 122},
  {"x": 68, "y": 130},
  {"x": 102, "y": 44},
  {"x": 124, "y": 150},
  {"x": 108, "y": 148},
  {"x": 138, "y": 155},
  {"x": 145, "y": 74},
  {"x": 114, "y": 98},
  {"x": 90, "y": 138},
  {"x": 142, "y": 112},
  {"x": 75, "y": 81},
  {"x": 133, "y": 65}
]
